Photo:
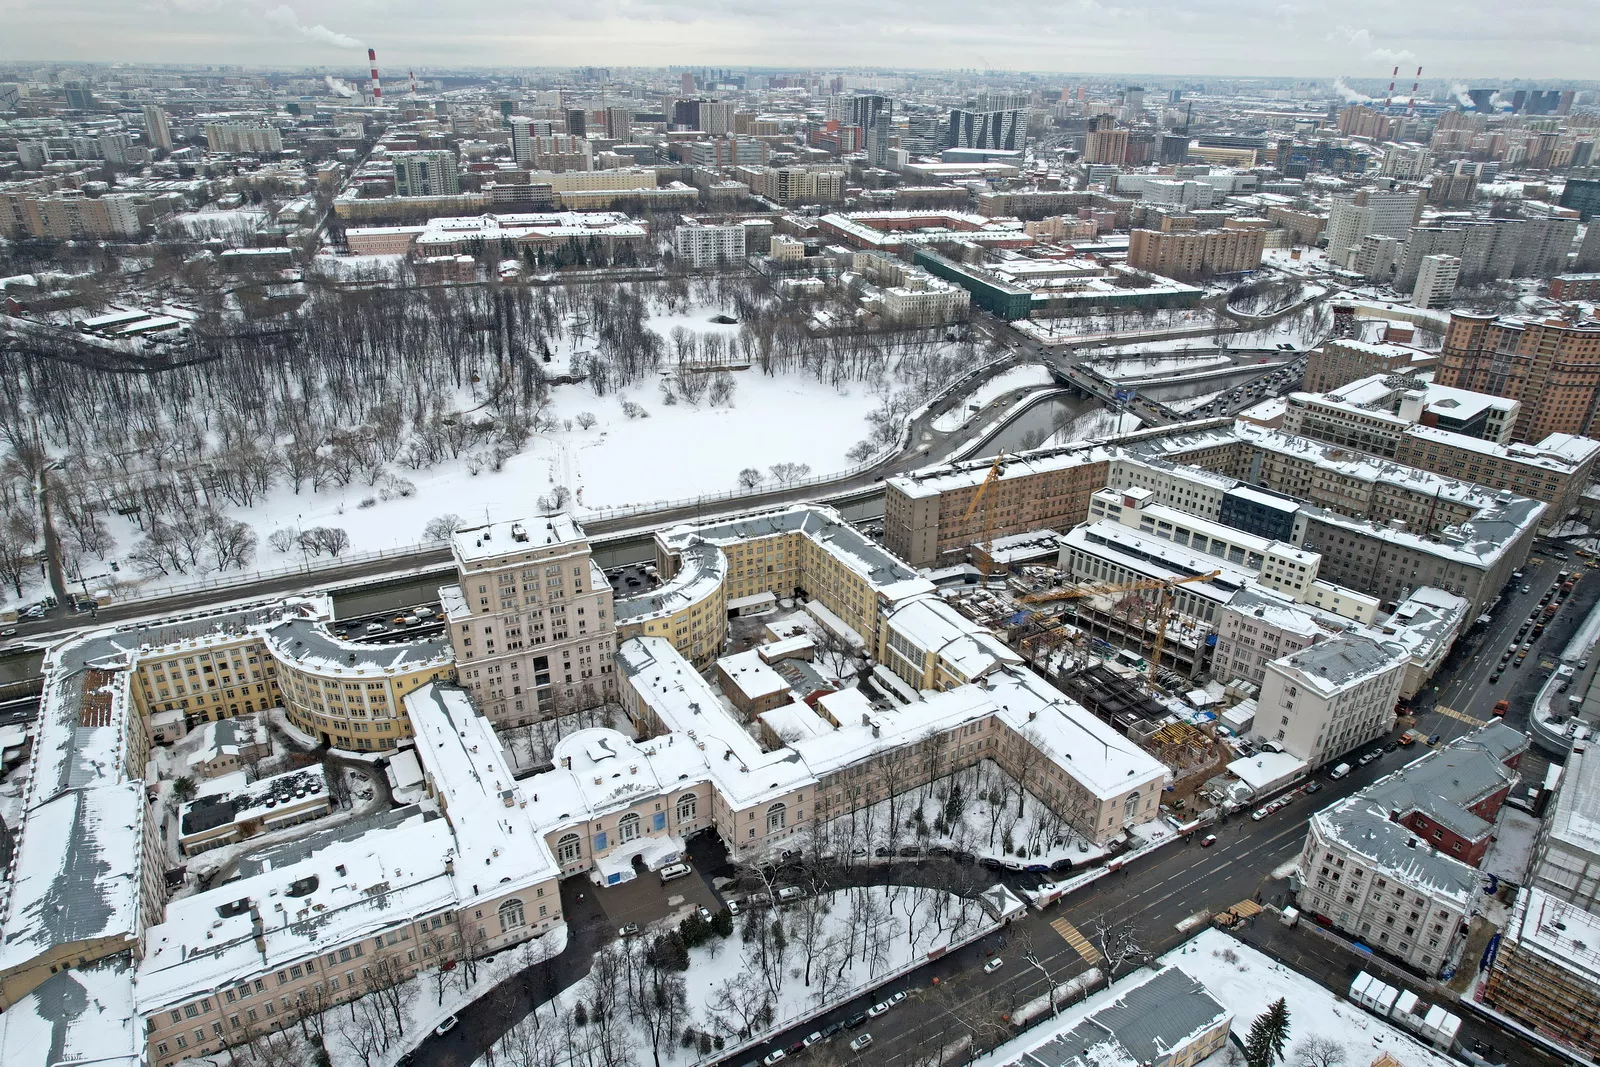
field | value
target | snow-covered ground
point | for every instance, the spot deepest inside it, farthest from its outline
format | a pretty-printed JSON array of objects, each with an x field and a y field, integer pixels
[
  {"x": 832, "y": 948},
  {"x": 1176, "y": 363},
  {"x": 1246, "y": 982},
  {"x": 1092, "y": 424},
  {"x": 1022, "y": 377},
  {"x": 980, "y": 809}
]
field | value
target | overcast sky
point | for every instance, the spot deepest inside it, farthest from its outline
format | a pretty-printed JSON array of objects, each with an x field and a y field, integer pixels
[{"x": 1468, "y": 39}]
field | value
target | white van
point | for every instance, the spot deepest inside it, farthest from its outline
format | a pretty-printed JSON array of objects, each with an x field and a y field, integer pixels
[
  {"x": 1339, "y": 771},
  {"x": 789, "y": 894},
  {"x": 674, "y": 870}
]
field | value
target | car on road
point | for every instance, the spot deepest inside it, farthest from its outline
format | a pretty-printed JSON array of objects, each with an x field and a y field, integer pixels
[
  {"x": 831, "y": 1029},
  {"x": 1208, "y": 840},
  {"x": 993, "y": 965},
  {"x": 1495, "y": 677},
  {"x": 1313, "y": 787},
  {"x": 1527, "y": 589},
  {"x": 855, "y": 1020},
  {"x": 375, "y": 627},
  {"x": 773, "y": 1057},
  {"x": 862, "y": 1042},
  {"x": 796, "y": 1048},
  {"x": 628, "y": 930},
  {"x": 733, "y": 907},
  {"x": 9, "y": 631},
  {"x": 448, "y": 1025},
  {"x": 1369, "y": 757},
  {"x": 877, "y": 1010}
]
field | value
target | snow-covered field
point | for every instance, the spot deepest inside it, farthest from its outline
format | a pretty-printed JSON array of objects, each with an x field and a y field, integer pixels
[
  {"x": 1246, "y": 982},
  {"x": 1023, "y": 377},
  {"x": 980, "y": 809},
  {"x": 751, "y": 982},
  {"x": 1176, "y": 363}
]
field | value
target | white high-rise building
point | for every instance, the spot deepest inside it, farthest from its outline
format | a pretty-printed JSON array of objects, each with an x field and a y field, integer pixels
[
  {"x": 709, "y": 246},
  {"x": 1436, "y": 281},
  {"x": 240, "y": 139},
  {"x": 1369, "y": 211},
  {"x": 157, "y": 128}
]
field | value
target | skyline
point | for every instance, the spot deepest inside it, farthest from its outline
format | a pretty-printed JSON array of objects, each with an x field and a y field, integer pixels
[{"x": 1164, "y": 38}]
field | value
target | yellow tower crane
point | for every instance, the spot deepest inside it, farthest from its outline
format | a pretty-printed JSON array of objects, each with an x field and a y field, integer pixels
[
  {"x": 1163, "y": 602},
  {"x": 987, "y": 541}
]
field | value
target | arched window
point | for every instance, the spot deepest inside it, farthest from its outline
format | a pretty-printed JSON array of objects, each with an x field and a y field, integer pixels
[
  {"x": 777, "y": 817},
  {"x": 569, "y": 849},
  {"x": 511, "y": 915},
  {"x": 688, "y": 807},
  {"x": 1130, "y": 807},
  {"x": 628, "y": 827}
]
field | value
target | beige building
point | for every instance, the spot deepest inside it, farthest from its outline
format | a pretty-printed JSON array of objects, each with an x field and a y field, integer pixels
[
  {"x": 1196, "y": 255},
  {"x": 1551, "y": 365},
  {"x": 1340, "y": 361},
  {"x": 530, "y": 619}
]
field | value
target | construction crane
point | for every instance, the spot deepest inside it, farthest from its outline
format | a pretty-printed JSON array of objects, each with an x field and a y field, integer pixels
[
  {"x": 987, "y": 542},
  {"x": 1163, "y": 602}
]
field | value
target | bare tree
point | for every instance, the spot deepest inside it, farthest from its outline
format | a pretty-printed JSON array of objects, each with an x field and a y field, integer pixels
[
  {"x": 1317, "y": 1051},
  {"x": 441, "y": 527}
]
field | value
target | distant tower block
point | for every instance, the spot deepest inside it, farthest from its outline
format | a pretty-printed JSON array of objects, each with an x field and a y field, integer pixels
[{"x": 377, "y": 89}]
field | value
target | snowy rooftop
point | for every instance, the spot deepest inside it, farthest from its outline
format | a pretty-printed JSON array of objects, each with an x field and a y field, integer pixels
[
  {"x": 967, "y": 649},
  {"x": 749, "y": 673},
  {"x": 1155, "y": 557},
  {"x": 330, "y": 899},
  {"x": 1560, "y": 452},
  {"x": 1340, "y": 662},
  {"x": 1266, "y": 769},
  {"x": 483, "y": 544},
  {"x": 704, "y": 740},
  {"x": 309, "y": 645},
  {"x": 1562, "y": 933},
  {"x": 82, "y": 1015},
  {"x": 822, "y": 525},
  {"x": 1424, "y": 624},
  {"x": 1444, "y": 784},
  {"x": 1364, "y": 828},
  {"x": 75, "y": 874},
  {"x": 1575, "y": 821},
  {"x": 1152, "y": 1015},
  {"x": 703, "y": 568},
  {"x": 795, "y": 722}
]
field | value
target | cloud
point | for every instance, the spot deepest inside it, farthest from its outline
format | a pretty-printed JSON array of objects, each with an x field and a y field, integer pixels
[
  {"x": 284, "y": 15},
  {"x": 1361, "y": 40}
]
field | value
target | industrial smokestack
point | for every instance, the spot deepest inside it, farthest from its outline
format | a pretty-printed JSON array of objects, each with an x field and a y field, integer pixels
[
  {"x": 377, "y": 89},
  {"x": 413, "y": 76}
]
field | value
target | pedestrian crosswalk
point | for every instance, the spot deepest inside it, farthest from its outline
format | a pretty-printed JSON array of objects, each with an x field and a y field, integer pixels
[
  {"x": 1460, "y": 715},
  {"x": 1071, "y": 936}
]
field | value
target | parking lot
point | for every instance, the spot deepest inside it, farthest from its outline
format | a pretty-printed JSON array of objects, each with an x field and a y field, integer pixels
[
  {"x": 391, "y": 627},
  {"x": 645, "y": 900}
]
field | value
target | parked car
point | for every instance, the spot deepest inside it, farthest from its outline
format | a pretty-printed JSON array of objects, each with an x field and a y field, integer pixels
[
  {"x": 862, "y": 1042},
  {"x": 789, "y": 894},
  {"x": 812, "y": 1038},
  {"x": 896, "y": 999},
  {"x": 855, "y": 1020},
  {"x": 1208, "y": 840},
  {"x": 448, "y": 1025},
  {"x": 674, "y": 870},
  {"x": 628, "y": 930},
  {"x": 993, "y": 965},
  {"x": 877, "y": 1010},
  {"x": 773, "y": 1057}
]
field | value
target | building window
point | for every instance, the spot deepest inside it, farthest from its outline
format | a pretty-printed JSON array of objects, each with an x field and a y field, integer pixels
[
  {"x": 511, "y": 915},
  {"x": 628, "y": 827},
  {"x": 777, "y": 817},
  {"x": 569, "y": 849},
  {"x": 688, "y": 807}
]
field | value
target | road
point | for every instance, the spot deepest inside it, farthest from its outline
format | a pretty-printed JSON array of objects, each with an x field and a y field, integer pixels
[
  {"x": 1463, "y": 684},
  {"x": 1148, "y": 899}
]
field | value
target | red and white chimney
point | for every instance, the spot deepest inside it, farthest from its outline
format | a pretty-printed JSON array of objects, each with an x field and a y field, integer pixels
[{"x": 377, "y": 89}]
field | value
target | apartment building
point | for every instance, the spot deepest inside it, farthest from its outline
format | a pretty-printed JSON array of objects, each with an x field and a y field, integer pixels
[
  {"x": 1436, "y": 281},
  {"x": 1551, "y": 365},
  {"x": 1196, "y": 255},
  {"x": 1556, "y": 470},
  {"x": 1105, "y": 145},
  {"x": 1373, "y": 413},
  {"x": 1339, "y": 361},
  {"x": 157, "y": 127},
  {"x": 431, "y": 173},
  {"x": 1329, "y": 698},
  {"x": 69, "y": 215},
  {"x": 794, "y": 185},
  {"x": 1545, "y": 973},
  {"x": 701, "y": 246},
  {"x": 1372, "y": 879},
  {"x": 242, "y": 139},
  {"x": 530, "y": 619},
  {"x": 1383, "y": 211}
]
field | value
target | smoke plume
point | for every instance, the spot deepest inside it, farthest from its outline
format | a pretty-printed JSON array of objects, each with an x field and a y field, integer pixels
[
  {"x": 1349, "y": 95},
  {"x": 284, "y": 15}
]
